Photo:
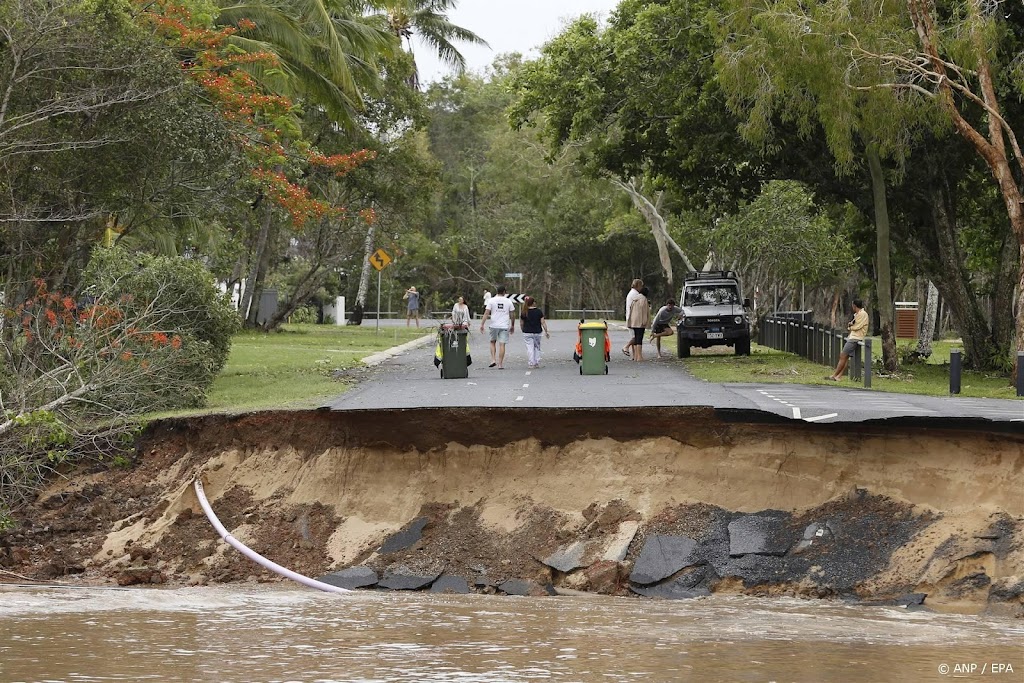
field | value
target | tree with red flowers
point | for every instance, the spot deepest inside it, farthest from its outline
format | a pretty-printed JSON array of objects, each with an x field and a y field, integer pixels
[{"x": 268, "y": 129}]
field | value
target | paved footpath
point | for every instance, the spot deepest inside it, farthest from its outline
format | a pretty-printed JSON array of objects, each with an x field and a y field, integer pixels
[{"x": 410, "y": 380}]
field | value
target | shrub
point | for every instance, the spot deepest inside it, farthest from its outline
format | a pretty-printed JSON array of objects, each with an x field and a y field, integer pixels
[
  {"x": 189, "y": 303},
  {"x": 304, "y": 315},
  {"x": 150, "y": 333}
]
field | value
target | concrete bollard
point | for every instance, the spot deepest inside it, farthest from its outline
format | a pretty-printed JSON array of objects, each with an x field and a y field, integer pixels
[
  {"x": 855, "y": 369},
  {"x": 955, "y": 364},
  {"x": 867, "y": 362},
  {"x": 1020, "y": 373}
]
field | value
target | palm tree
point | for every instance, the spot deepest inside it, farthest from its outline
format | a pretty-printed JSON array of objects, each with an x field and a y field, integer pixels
[
  {"x": 328, "y": 50},
  {"x": 426, "y": 20},
  {"x": 328, "y": 53}
]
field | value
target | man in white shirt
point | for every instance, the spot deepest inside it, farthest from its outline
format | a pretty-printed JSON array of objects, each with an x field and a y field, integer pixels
[{"x": 501, "y": 312}]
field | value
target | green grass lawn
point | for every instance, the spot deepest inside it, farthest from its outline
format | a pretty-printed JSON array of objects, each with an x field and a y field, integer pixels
[
  {"x": 293, "y": 368},
  {"x": 768, "y": 365}
]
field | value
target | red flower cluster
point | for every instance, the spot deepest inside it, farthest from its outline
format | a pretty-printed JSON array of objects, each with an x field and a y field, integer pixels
[
  {"x": 242, "y": 101},
  {"x": 341, "y": 163},
  {"x": 52, "y": 322}
]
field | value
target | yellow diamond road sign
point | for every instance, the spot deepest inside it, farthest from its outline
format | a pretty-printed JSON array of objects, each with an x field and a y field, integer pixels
[{"x": 380, "y": 259}]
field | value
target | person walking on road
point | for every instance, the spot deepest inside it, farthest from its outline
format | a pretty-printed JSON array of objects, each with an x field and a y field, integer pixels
[
  {"x": 662, "y": 325},
  {"x": 533, "y": 324},
  {"x": 634, "y": 294},
  {"x": 413, "y": 310},
  {"x": 460, "y": 312},
  {"x": 858, "y": 330},
  {"x": 499, "y": 310},
  {"x": 638, "y": 317}
]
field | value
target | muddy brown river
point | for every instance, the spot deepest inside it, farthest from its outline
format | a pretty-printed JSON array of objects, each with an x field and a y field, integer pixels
[{"x": 284, "y": 634}]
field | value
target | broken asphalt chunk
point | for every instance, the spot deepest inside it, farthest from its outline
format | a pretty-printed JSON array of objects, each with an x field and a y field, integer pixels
[
  {"x": 758, "y": 535},
  {"x": 407, "y": 537},
  {"x": 351, "y": 578},
  {"x": 663, "y": 556}
]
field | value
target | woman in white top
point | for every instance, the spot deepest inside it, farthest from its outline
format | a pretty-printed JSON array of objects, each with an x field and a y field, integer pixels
[{"x": 460, "y": 312}]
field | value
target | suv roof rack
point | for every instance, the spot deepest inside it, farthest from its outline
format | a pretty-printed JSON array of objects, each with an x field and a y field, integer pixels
[{"x": 711, "y": 275}]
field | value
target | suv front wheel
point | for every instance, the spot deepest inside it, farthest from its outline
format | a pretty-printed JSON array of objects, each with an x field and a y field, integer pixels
[{"x": 683, "y": 347}]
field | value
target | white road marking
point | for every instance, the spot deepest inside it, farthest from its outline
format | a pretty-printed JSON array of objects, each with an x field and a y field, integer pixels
[
  {"x": 519, "y": 398},
  {"x": 527, "y": 373},
  {"x": 796, "y": 413},
  {"x": 820, "y": 417},
  {"x": 526, "y": 386}
]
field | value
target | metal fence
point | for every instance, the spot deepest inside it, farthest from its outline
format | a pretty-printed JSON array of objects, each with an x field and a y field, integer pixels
[
  {"x": 817, "y": 343},
  {"x": 823, "y": 344}
]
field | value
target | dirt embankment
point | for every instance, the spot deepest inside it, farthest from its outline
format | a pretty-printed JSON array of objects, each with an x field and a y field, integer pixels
[{"x": 662, "y": 502}]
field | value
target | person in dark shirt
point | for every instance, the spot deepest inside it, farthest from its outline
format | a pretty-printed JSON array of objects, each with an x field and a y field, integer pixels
[
  {"x": 533, "y": 325},
  {"x": 662, "y": 324}
]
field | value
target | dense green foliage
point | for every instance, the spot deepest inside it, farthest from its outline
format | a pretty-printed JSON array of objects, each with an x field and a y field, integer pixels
[
  {"x": 274, "y": 146},
  {"x": 189, "y": 303},
  {"x": 702, "y": 102}
]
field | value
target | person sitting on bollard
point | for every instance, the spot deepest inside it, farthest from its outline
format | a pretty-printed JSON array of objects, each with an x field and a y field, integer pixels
[{"x": 858, "y": 330}]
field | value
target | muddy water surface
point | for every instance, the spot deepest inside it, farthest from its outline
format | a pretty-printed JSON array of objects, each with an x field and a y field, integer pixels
[{"x": 278, "y": 634}]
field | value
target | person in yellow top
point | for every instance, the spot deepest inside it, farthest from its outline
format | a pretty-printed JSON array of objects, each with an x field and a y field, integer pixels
[{"x": 858, "y": 330}]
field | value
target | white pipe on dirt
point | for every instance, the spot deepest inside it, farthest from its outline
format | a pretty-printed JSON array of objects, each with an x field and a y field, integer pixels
[{"x": 255, "y": 556}]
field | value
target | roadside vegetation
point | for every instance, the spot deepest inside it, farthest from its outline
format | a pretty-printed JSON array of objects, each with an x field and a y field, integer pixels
[
  {"x": 298, "y": 365},
  {"x": 767, "y": 365}
]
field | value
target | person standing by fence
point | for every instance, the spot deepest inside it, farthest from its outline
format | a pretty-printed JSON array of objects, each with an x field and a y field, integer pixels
[
  {"x": 413, "y": 310},
  {"x": 858, "y": 330},
  {"x": 533, "y": 324}
]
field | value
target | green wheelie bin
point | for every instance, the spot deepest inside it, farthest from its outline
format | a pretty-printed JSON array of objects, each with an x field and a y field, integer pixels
[
  {"x": 594, "y": 348},
  {"x": 452, "y": 354}
]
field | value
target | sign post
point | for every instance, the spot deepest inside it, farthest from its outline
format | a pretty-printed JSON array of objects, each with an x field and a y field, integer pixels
[
  {"x": 379, "y": 260},
  {"x": 516, "y": 298}
]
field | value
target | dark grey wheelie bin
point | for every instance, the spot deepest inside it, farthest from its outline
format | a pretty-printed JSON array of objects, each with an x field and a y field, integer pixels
[{"x": 451, "y": 354}]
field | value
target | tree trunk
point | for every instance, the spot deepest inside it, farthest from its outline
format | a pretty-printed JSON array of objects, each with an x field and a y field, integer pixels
[
  {"x": 883, "y": 275},
  {"x": 953, "y": 281},
  {"x": 1020, "y": 313},
  {"x": 255, "y": 259},
  {"x": 1003, "y": 295},
  {"x": 262, "y": 269},
  {"x": 364, "y": 277},
  {"x": 659, "y": 228},
  {"x": 931, "y": 308},
  {"x": 311, "y": 281}
]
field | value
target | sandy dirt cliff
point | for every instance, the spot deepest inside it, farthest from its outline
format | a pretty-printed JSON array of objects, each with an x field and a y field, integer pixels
[{"x": 669, "y": 503}]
